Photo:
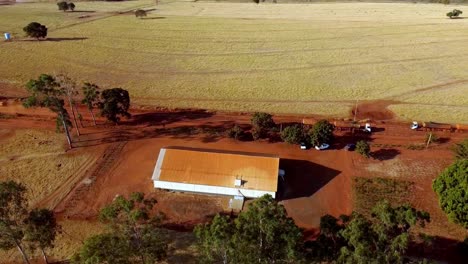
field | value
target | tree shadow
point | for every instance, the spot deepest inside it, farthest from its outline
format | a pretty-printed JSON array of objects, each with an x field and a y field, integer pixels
[
  {"x": 303, "y": 178},
  {"x": 150, "y": 18},
  {"x": 83, "y": 11},
  {"x": 385, "y": 154},
  {"x": 441, "y": 249},
  {"x": 350, "y": 138},
  {"x": 164, "y": 118},
  {"x": 55, "y": 39},
  {"x": 443, "y": 140}
]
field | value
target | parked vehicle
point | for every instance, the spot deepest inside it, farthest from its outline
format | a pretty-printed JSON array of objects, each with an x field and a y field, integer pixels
[
  {"x": 415, "y": 125},
  {"x": 304, "y": 145},
  {"x": 367, "y": 128},
  {"x": 350, "y": 147},
  {"x": 322, "y": 147}
]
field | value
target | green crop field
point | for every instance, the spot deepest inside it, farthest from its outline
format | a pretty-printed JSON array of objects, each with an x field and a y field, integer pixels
[{"x": 281, "y": 58}]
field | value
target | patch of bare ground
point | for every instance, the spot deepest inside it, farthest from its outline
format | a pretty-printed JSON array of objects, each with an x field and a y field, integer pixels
[{"x": 373, "y": 110}]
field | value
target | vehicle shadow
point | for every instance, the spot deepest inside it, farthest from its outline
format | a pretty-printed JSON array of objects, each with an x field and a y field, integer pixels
[{"x": 303, "y": 178}]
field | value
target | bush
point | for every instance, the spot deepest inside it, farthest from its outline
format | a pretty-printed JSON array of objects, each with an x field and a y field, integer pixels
[
  {"x": 35, "y": 30},
  {"x": 461, "y": 150},
  {"x": 71, "y": 6},
  {"x": 256, "y": 133},
  {"x": 292, "y": 134},
  {"x": 235, "y": 132},
  {"x": 455, "y": 13},
  {"x": 363, "y": 148},
  {"x": 451, "y": 187},
  {"x": 62, "y": 6},
  {"x": 140, "y": 13}
]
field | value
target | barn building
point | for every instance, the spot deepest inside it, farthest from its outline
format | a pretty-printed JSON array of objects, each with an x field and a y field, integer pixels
[{"x": 209, "y": 171}]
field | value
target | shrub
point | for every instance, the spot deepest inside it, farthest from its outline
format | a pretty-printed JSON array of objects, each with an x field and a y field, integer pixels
[
  {"x": 292, "y": 134},
  {"x": 461, "y": 150},
  {"x": 71, "y": 6},
  {"x": 451, "y": 186},
  {"x": 455, "y": 13},
  {"x": 363, "y": 148},
  {"x": 256, "y": 133},
  {"x": 62, "y": 6},
  {"x": 263, "y": 121},
  {"x": 140, "y": 13},
  {"x": 35, "y": 30}
]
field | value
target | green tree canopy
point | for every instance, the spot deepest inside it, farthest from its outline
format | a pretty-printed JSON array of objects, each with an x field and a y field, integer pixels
[
  {"x": 263, "y": 121},
  {"x": 454, "y": 14},
  {"x": 261, "y": 234},
  {"x": 452, "y": 188},
  {"x": 132, "y": 229},
  {"x": 114, "y": 103},
  {"x": 363, "y": 148},
  {"x": 41, "y": 230},
  {"x": 292, "y": 134},
  {"x": 321, "y": 132},
  {"x": 46, "y": 92},
  {"x": 35, "y": 30}
]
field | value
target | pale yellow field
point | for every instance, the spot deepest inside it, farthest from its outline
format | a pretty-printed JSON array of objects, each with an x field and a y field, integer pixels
[{"x": 280, "y": 58}]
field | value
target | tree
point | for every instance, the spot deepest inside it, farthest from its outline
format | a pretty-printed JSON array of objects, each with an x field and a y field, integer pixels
[
  {"x": 363, "y": 148},
  {"x": 262, "y": 234},
  {"x": 68, "y": 86},
  {"x": 452, "y": 188},
  {"x": 133, "y": 231},
  {"x": 292, "y": 134},
  {"x": 235, "y": 132},
  {"x": 13, "y": 210},
  {"x": 41, "y": 230},
  {"x": 461, "y": 150},
  {"x": 140, "y": 13},
  {"x": 115, "y": 102},
  {"x": 262, "y": 123},
  {"x": 382, "y": 238},
  {"x": 63, "y": 6},
  {"x": 104, "y": 248},
  {"x": 214, "y": 239},
  {"x": 431, "y": 138},
  {"x": 71, "y": 6},
  {"x": 35, "y": 30},
  {"x": 91, "y": 97},
  {"x": 19, "y": 227},
  {"x": 45, "y": 92},
  {"x": 454, "y": 14},
  {"x": 321, "y": 132}
]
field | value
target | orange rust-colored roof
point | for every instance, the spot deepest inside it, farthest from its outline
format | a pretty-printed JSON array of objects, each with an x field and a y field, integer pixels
[{"x": 219, "y": 168}]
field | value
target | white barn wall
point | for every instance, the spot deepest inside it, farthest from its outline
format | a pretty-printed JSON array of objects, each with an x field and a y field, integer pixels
[{"x": 210, "y": 189}]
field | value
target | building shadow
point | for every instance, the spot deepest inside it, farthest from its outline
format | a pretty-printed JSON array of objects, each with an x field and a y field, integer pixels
[
  {"x": 303, "y": 178},
  {"x": 385, "y": 154}
]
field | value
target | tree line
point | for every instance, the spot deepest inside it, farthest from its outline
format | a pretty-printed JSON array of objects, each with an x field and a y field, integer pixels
[{"x": 52, "y": 92}]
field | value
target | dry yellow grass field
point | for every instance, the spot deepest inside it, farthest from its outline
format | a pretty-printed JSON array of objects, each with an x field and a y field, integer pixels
[
  {"x": 37, "y": 159},
  {"x": 281, "y": 58}
]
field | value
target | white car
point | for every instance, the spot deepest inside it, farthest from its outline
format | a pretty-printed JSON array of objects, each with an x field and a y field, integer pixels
[
  {"x": 415, "y": 125},
  {"x": 322, "y": 147},
  {"x": 367, "y": 128}
]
